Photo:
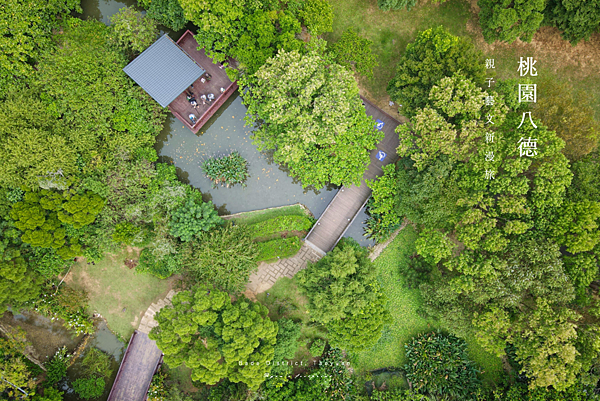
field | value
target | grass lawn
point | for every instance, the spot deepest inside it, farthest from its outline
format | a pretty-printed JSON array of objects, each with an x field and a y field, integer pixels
[
  {"x": 403, "y": 305},
  {"x": 117, "y": 292},
  {"x": 391, "y": 31},
  {"x": 258, "y": 216}
]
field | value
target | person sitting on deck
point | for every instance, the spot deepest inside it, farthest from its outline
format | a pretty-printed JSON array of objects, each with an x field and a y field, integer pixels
[
  {"x": 192, "y": 118},
  {"x": 211, "y": 97},
  {"x": 208, "y": 76},
  {"x": 194, "y": 103},
  {"x": 203, "y": 98}
]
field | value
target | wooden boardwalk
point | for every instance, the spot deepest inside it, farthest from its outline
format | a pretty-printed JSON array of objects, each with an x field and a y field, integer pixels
[
  {"x": 349, "y": 201},
  {"x": 139, "y": 364}
]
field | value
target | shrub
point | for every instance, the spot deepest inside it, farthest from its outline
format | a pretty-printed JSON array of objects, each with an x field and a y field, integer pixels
[
  {"x": 192, "y": 218},
  {"x": 65, "y": 303},
  {"x": 161, "y": 267},
  {"x": 280, "y": 247},
  {"x": 91, "y": 387},
  {"x": 226, "y": 170},
  {"x": 50, "y": 394},
  {"x": 56, "y": 368},
  {"x": 125, "y": 232},
  {"x": 280, "y": 224},
  {"x": 438, "y": 365},
  {"x": 317, "y": 347},
  {"x": 96, "y": 363}
]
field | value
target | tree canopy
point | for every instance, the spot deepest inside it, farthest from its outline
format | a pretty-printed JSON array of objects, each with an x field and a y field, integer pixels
[
  {"x": 507, "y": 20},
  {"x": 577, "y": 19},
  {"x": 433, "y": 55},
  {"x": 308, "y": 112},
  {"x": 215, "y": 337}
]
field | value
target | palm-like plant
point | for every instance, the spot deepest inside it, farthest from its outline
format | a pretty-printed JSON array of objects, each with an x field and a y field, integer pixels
[{"x": 226, "y": 170}]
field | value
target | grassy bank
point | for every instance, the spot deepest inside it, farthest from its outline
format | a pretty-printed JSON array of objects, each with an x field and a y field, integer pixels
[
  {"x": 406, "y": 322},
  {"x": 117, "y": 292},
  {"x": 258, "y": 216}
]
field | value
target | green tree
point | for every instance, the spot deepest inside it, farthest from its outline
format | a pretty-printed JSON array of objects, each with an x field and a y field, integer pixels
[
  {"x": 387, "y": 5},
  {"x": 12, "y": 365},
  {"x": 577, "y": 19},
  {"x": 192, "y": 218},
  {"x": 25, "y": 31},
  {"x": 576, "y": 226},
  {"x": 433, "y": 55},
  {"x": 438, "y": 364},
  {"x": 17, "y": 284},
  {"x": 381, "y": 208},
  {"x": 362, "y": 329},
  {"x": 354, "y": 51},
  {"x": 507, "y": 20},
  {"x": 133, "y": 30},
  {"x": 167, "y": 12},
  {"x": 309, "y": 113},
  {"x": 224, "y": 257},
  {"x": 317, "y": 16},
  {"x": 340, "y": 284},
  {"x": 249, "y": 31},
  {"x": 216, "y": 338}
]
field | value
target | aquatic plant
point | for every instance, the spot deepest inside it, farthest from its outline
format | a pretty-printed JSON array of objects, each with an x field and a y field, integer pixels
[{"x": 226, "y": 170}]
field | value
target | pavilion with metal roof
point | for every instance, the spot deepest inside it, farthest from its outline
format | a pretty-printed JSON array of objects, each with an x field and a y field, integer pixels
[{"x": 164, "y": 70}]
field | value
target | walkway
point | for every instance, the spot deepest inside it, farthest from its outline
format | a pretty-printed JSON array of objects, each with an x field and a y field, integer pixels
[
  {"x": 141, "y": 359},
  {"x": 139, "y": 364},
  {"x": 349, "y": 201},
  {"x": 268, "y": 273}
]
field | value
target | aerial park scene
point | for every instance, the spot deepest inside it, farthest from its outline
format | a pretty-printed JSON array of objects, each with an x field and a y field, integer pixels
[{"x": 306, "y": 200}]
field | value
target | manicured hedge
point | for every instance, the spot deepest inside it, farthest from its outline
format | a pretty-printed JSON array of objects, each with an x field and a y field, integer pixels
[
  {"x": 282, "y": 247},
  {"x": 279, "y": 224}
]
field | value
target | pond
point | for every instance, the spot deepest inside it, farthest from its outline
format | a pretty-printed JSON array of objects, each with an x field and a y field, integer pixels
[
  {"x": 269, "y": 184},
  {"x": 47, "y": 336}
]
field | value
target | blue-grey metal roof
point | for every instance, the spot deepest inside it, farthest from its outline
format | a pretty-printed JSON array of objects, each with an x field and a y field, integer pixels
[{"x": 164, "y": 70}]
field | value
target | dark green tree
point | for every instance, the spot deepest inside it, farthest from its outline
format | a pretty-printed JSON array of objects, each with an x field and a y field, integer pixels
[
  {"x": 317, "y": 16},
  {"x": 433, "y": 55},
  {"x": 577, "y": 19},
  {"x": 507, "y": 20}
]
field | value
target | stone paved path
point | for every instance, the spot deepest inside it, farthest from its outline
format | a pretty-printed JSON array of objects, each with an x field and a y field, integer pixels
[
  {"x": 268, "y": 273},
  {"x": 148, "y": 321}
]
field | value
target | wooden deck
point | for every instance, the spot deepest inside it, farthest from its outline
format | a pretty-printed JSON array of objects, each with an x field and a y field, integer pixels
[
  {"x": 349, "y": 201},
  {"x": 140, "y": 362},
  {"x": 181, "y": 108}
]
